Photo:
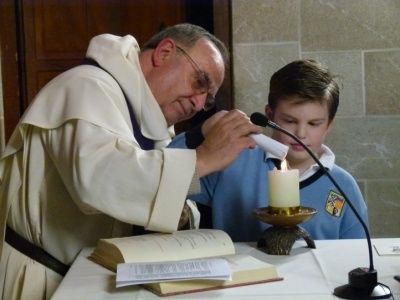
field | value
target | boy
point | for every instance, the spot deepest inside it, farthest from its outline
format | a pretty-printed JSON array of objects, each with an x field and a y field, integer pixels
[{"x": 303, "y": 99}]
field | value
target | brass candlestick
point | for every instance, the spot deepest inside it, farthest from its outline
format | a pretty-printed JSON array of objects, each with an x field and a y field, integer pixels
[{"x": 280, "y": 237}]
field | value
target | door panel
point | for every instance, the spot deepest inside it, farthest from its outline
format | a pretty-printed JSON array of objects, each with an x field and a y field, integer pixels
[{"x": 62, "y": 29}]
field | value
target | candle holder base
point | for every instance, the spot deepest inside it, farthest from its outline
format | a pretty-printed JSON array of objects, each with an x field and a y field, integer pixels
[{"x": 279, "y": 239}]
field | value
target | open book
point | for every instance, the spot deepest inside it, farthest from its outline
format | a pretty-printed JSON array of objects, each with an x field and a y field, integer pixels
[{"x": 179, "y": 246}]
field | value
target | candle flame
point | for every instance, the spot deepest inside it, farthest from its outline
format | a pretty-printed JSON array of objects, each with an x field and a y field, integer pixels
[{"x": 284, "y": 165}]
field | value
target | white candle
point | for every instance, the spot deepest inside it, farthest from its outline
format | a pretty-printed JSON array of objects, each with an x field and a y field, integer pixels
[{"x": 284, "y": 188}]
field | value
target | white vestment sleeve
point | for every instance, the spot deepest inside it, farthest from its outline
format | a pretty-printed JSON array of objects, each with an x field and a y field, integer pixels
[
  {"x": 106, "y": 174},
  {"x": 173, "y": 188}
]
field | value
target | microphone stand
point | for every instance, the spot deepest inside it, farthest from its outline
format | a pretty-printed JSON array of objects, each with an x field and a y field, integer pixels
[{"x": 363, "y": 282}]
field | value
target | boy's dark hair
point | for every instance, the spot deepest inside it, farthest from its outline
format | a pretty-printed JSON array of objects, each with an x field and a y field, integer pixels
[
  {"x": 307, "y": 79},
  {"x": 187, "y": 35}
]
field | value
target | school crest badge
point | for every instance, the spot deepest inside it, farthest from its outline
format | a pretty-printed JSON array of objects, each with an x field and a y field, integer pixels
[{"x": 334, "y": 204}]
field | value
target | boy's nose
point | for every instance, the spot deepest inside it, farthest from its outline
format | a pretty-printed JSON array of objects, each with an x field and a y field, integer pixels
[{"x": 301, "y": 131}]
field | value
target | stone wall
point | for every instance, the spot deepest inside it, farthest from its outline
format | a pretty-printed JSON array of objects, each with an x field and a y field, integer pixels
[{"x": 360, "y": 41}]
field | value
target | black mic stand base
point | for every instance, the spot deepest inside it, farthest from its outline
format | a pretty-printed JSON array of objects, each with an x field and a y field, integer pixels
[
  {"x": 347, "y": 291},
  {"x": 363, "y": 284}
]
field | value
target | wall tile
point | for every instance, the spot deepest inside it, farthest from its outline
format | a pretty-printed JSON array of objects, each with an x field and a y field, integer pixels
[
  {"x": 367, "y": 147},
  {"x": 348, "y": 67},
  {"x": 356, "y": 24},
  {"x": 254, "y": 65},
  {"x": 265, "y": 20},
  {"x": 382, "y": 78},
  {"x": 384, "y": 208}
]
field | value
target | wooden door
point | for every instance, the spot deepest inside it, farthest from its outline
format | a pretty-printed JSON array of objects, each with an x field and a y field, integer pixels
[{"x": 42, "y": 38}]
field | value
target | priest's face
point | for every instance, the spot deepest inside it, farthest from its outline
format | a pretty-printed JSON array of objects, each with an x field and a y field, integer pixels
[{"x": 188, "y": 80}]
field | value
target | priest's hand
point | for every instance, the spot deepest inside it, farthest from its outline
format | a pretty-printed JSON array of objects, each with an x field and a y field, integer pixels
[{"x": 226, "y": 135}]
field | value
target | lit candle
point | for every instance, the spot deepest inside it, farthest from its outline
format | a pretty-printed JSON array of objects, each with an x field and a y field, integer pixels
[{"x": 284, "y": 188}]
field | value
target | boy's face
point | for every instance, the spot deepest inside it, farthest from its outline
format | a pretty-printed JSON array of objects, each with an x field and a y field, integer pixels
[{"x": 308, "y": 121}]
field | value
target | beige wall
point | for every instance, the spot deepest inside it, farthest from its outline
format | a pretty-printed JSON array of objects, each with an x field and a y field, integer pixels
[{"x": 359, "y": 40}]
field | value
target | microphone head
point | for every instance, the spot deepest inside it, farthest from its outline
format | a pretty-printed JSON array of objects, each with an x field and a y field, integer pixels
[{"x": 259, "y": 119}]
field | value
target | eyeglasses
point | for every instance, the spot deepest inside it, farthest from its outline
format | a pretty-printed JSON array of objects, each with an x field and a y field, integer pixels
[{"x": 203, "y": 80}]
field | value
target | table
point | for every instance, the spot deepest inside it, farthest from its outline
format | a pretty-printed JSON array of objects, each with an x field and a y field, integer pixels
[{"x": 308, "y": 274}]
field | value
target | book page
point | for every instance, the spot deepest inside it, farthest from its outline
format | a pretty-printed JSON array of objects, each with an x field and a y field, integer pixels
[{"x": 180, "y": 245}]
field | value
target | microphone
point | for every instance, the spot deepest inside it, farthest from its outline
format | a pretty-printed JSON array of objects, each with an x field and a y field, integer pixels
[
  {"x": 261, "y": 120},
  {"x": 363, "y": 282}
]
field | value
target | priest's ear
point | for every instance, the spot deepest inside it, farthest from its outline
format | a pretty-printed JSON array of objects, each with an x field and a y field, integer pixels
[{"x": 164, "y": 51}]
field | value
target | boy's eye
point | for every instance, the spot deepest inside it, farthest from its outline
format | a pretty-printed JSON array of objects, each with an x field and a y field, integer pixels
[
  {"x": 315, "y": 124},
  {"x": 289, "y": 121}
]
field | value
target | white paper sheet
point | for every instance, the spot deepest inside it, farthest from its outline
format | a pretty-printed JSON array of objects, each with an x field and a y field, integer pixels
[
  {"x": 270, "y": 145},
  {"x": 140, "y": 273}
]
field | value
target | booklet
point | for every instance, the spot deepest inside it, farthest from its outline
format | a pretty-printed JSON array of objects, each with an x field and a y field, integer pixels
[{"x": 386, "y": 247}]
